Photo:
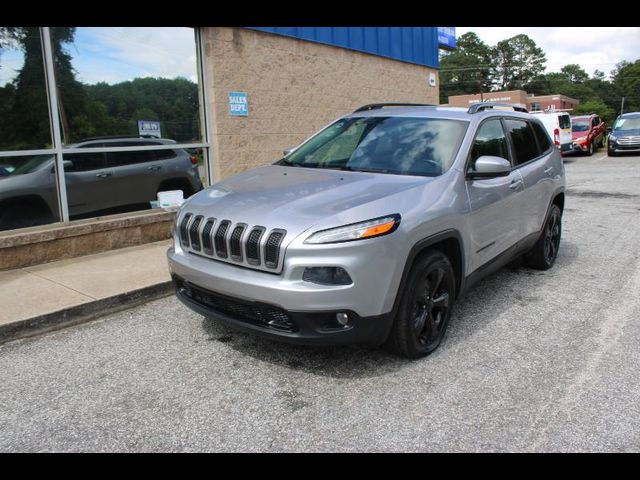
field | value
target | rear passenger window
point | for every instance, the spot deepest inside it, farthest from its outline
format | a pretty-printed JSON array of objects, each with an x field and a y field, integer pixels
[
  {"x": 565, "y": 121},
  {"x": 543, "y": 138},
  {"x": 524, "y": 143},
  {"x": 490, "y": 140}
]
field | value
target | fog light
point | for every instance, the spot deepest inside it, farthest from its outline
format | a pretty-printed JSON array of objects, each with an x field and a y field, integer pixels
[
  {"x": 327, "y": 276},
  {"x": 342, "y": 318}
]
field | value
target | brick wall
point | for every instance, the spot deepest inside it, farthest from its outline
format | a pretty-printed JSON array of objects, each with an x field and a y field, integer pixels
[{"x": 294, "y": 88}]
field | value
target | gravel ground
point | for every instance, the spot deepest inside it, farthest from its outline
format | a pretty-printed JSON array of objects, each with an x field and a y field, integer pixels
[{"x": 532, "y": 361}]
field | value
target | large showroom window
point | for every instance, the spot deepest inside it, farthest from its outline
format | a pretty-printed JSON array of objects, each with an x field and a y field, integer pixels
[{"x": 98, "y": 120}]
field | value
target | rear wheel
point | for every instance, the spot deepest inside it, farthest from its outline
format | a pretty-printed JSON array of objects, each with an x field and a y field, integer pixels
[
  {"x": 425, "y": 307},
  {"x": 543, "y": 255}
]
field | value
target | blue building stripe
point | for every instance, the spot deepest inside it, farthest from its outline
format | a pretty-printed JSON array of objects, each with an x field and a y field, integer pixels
[{"x": 417, "y": 45}]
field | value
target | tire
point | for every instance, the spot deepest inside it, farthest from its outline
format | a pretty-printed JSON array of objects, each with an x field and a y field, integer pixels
[
  {"x": 590, "y": 152},
  {"x": 611, "y": 153},
  {"x": 14, "y": 216},
  {"x": 544, "y": 253},
  {"x": 425, "y": 307}
]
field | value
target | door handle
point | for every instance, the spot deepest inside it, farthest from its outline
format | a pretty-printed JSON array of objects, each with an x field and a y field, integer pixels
[
  {"x": 155, "y": 168},
  {"x": 103, "y": 174},
  {"x": 515, "y": 184},
  {"x": 548, "y": 170}
]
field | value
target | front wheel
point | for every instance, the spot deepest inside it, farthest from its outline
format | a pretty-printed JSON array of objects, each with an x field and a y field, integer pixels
[
  {"x": 590, "y": 152},
  {"x": 425, "y": 307},
  {"x": 544, "y": 253}
]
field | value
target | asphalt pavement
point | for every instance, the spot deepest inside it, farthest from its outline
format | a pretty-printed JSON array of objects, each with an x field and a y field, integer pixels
[{"x": 532, "y": 361}]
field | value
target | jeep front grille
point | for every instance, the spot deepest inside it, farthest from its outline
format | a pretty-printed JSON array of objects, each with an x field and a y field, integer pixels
[{"x": 238, "y": 243}]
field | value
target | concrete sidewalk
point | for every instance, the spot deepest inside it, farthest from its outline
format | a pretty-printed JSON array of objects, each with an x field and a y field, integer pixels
[{"x": 66, "y": 292}]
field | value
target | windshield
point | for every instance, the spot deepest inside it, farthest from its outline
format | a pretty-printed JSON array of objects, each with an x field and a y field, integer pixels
[
  {"x": 397, "y": 145},
  {"x": 25, "y": 165},
  {"x": 627, "y": 124},
  {"x": 580, "y": 126}
]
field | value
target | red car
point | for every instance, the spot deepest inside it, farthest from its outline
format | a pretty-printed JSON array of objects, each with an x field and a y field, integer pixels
[{"x": 588, "y": 133}]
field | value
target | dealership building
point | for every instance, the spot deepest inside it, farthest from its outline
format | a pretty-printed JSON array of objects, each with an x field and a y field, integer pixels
[
  {"x": 255, "y": 91},
  {"x": 521, "y": 98}
]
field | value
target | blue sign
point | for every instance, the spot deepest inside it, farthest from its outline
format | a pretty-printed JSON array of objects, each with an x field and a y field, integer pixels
[
  {"x": 447, "y": 37},
  {"x": 149, "y": 128},
  {"x": 238, "y": 104}
]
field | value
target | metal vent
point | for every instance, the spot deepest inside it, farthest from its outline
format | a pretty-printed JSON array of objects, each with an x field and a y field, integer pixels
[
  {"x": 253, "y": 245},
  {"x": 220, "y": 239},
  {"x": 234, "y": 242},
  {"x": 207, "y": 241},
  {"x": 184, "y": 233},
  {"x": 194, "y": 234},
  {"x": 272, "y": 248}
]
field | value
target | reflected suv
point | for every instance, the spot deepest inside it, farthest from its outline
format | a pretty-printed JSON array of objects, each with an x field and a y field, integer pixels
[
  {"x": 625, "y": 135},
  {"x": 97, "y": 183},
  {"x": 372, "y": 229}
]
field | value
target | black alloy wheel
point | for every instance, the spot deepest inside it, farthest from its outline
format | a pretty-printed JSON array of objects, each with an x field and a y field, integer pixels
[
  {"x": 543, "y": 255},
  {"x": 425, "y": 307}
]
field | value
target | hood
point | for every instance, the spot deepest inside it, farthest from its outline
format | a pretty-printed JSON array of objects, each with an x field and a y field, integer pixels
[
  {"x": 296, "y": 198},
  {"x": 628, "y": 132},
  {"x": 575, "y": 135}
]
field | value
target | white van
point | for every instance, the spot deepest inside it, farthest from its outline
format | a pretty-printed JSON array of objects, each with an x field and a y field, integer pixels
[{"x": 558, "y": 124}]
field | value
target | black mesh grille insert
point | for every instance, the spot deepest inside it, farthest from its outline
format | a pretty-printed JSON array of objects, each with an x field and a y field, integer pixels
[
  {"x": 253, "y": 246},
  {"x": 272, "y": 248},
  {"x": 234, "y": 242},
  {"x": 184, "y": 233},
  {"x": 207, "y": 242},
  {"x": 260, "y": 314},
  {"x": 194, "y": 232},
  {"x": 220, "y": 239}
]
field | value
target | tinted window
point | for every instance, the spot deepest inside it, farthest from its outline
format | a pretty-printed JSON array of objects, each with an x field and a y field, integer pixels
[
  {"x": 565, "y": 121},
  {"x": 397, "y": 145},
  {"x": 543, "y": 138},
  {"x": 163, "y": 154},
  {"x": 83, "y": 162},
  {"x": 119, "y": 159},
  {"x": 490, "y": 140},
  {"x": 524, "y": 143}
]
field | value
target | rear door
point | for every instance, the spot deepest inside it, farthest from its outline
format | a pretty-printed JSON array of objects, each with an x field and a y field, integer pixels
[
  {"x": 495, "y": 203},
  {"x": 90, "y": 183},
  {"x": 136, "y": 173},
  {"x": 532, "y": 150},
  {"x": 564, "y": 124}
]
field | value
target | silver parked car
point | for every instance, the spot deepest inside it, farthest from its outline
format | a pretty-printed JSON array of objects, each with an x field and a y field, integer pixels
[
  {"x": 97, "y": 183},
  {"x": 370, "y": 230}
]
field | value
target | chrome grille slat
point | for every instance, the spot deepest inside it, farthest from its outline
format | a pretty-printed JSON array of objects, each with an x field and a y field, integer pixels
[
  {"x": 250, "y": 246},
  {"x": 207, "y": 240},
  {"x": 632, "y": 140},
  {"x": 235, "y": 247},
  {"x": 194, "y": 233},
  {"x": 184, "y": 232},
  {"x": 220, "y": 239}
]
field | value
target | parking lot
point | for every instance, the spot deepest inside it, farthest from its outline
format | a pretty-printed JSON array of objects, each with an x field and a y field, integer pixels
[{"x": 532, "y": 361}]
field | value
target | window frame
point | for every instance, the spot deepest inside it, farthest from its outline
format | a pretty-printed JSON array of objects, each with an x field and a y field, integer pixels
[
  {"x": 58, "y": 150},
  {"x": 513, "y": 148}
]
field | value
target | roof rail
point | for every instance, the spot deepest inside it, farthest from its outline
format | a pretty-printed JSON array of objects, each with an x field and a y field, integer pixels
[
  {"x": 374, "y": 106},
  {"x": 114, "y": 137},
  {"x": 481, "y": 106}
]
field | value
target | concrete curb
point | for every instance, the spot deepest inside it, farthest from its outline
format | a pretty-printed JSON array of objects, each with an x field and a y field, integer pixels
[{"x": 83, "y": 313}]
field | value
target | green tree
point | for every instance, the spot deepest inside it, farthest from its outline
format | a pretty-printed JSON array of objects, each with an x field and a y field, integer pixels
[
  {"x": 516, "y": 61},
  {"x": 626, "y": 77},
  {"x": 574, "y": 73},
  {"x": 466, "y": 69},
  {"x": 596, "y": 106}
]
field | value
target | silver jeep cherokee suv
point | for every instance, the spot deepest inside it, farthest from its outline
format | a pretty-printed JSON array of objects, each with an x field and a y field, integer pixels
[{"x": 371, "y": 229}]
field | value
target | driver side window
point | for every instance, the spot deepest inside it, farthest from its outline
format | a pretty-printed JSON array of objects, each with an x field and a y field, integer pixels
[{"x": 490, "y": 140}]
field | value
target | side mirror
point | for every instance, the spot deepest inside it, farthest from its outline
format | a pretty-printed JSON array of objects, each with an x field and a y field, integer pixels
[
  {"x": 287, "y": 151},
  {"x": 488, "y": 166},
  {"x": 67, "y": 164}
]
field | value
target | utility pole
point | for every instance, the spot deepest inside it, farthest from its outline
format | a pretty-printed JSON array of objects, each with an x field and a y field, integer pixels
[{"x": 622, "y": 107}]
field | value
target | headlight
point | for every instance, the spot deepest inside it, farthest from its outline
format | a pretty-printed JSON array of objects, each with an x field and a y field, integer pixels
[
  {"x": 613, "y": 138},
  {"x": 581, "y": 139},
  {"x": 357, "y": 231}
]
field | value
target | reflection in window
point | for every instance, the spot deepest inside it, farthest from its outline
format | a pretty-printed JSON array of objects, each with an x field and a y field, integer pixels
[
  {"x": 490, "y": 140},
  {"x": 28, "y": 194},
  {"x": 111, "y": 78},
  {"x": 24, "y": 112}
]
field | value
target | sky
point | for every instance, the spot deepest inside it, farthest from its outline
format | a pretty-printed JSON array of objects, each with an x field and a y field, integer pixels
[
  {"x": 590, "y": 47},
  {"x": 116, "y": 54}
]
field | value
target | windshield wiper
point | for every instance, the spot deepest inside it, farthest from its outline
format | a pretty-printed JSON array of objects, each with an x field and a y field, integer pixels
[{"x": 363, "y": 169}]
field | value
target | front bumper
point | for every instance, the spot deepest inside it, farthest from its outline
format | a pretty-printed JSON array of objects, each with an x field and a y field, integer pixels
[
  {"x": 303, "y": 328},
  {"x": 613, "y": 147}
]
